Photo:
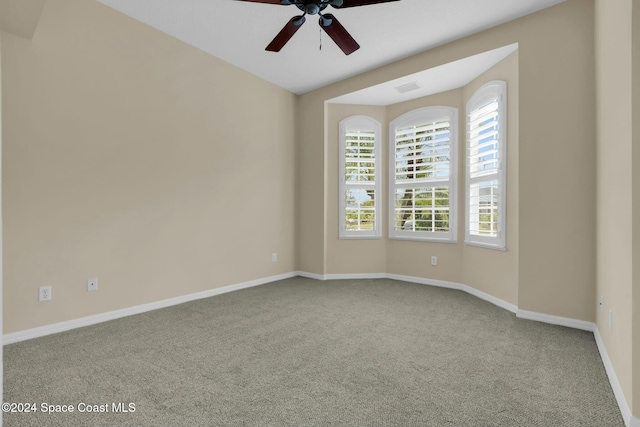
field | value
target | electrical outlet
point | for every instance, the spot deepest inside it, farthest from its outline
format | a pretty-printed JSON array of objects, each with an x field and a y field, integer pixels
[
  {"x": 44, "y": 293},
  {"x": 92, "y": 284},
  {"x": 434, "y": 260},
  {"x": 274, "y": 257},
  {"x": 601, "y": 304}
]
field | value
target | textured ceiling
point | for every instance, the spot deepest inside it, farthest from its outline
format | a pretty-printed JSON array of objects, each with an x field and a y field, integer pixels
[{"x": 238, "y": 32}]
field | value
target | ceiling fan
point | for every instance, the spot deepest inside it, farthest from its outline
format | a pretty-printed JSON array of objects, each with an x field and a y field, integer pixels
[{"x": 327, "y": 22}]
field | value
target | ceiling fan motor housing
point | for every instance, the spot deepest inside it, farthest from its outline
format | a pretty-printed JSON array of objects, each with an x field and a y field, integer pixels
[{"x": 311, "y": 7}]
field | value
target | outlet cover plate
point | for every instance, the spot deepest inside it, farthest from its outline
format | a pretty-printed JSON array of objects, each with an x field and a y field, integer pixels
[
  {"x": 92, "y": 284},
  {"x": 44, "y": 293}
]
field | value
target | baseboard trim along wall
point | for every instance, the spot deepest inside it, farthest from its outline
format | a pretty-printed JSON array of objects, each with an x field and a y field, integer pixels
[
  {"x": 116, "y": 314},
  {"x": 459, "y": 286},
  {"x": 103, "y": 317},
  {"x": 420, "y": 280},
  {"x": 431, "y": 282},
  {"x": 556, "y": 320},
  {"x": 523, "y": 314},
  {"x": 615, "y": 384}
]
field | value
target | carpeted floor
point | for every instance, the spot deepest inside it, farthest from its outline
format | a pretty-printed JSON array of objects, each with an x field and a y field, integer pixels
[{"x": 306, "y": 353}]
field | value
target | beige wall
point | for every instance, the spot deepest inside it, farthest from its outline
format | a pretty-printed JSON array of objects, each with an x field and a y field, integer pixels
[
  {"x": 123, "y": 160},
  {"x": 556, "y": 242},
  {"x": 557, "y": 199},
  {"x": 1, "y": 245},
  {"x": 310, "y": 190},
  {"x": 614, "y": 130},
  {"x": 635, "y": 82},
  {"x": 21, "y": 18}
]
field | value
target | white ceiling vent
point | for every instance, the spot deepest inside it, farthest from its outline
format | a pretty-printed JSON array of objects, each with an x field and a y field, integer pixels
[{"x": 407, "y": 87}]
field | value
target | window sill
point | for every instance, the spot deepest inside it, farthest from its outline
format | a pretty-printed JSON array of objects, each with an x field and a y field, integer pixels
[
  {"x": 501, "y": 248},
  {"x": 359, "y": 237},
  {"x": 423, "y": 239}
]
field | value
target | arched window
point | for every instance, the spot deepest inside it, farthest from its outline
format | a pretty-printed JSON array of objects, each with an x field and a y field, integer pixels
[
  {"x": 422, "y": 171},
  {"x": 359, "y": 178},
  {"x": 486, "y": 167}
]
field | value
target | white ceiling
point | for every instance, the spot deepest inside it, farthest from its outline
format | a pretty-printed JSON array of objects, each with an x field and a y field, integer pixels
[
  {"x": 238, "y": 32},
  {"x": 428, "y": 82}
]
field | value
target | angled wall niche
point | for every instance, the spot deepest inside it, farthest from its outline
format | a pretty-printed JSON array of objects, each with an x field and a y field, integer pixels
[{"x": 450, "y": 85}]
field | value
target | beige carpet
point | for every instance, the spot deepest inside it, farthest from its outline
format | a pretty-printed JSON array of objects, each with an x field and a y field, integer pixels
[{"x": 306, "y": 353}]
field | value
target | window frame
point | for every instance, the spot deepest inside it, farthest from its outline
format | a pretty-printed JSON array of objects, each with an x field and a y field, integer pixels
[
  {"x": 431, "y": 114},
  {"x": 359, "y": 123},
  {"x": 496, "y": 89}
]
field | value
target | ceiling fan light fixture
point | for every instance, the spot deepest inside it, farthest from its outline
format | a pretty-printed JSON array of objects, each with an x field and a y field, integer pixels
[
  {"x": 324, "y": 21},
  {"x": 311, "y": 8}
]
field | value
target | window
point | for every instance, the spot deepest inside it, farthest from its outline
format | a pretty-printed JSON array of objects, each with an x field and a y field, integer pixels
[
  {"x": 359, "y": 178},
  {"x": 486, "y": 167},
  {"x": 422, "y": 170}
]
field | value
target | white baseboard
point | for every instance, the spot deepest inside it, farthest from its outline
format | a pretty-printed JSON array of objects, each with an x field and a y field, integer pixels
[
  {"x": 615, "y": 384},
  {"x": 420, "y": 280},
  {"x": 310, "y": 275},
  {"x": 103, "y": 317},
  {"x": 556, "y": 320},
  {"x": 355, "y": 276},
  {"x": 523, "y": 314},
  {"x": 347, "y": 276},
  {"x": 116, "y": 314},
  {"x": 458, "y": 286},
  {"x": 490, "y": 298},
  {"x": 429, "y": 282}
]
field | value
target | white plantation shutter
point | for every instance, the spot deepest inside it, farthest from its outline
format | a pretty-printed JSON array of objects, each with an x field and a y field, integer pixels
[
  {"x": 483, "y": 140},
  {"x": 359, "y": 165},
  {"x": 422, "y": 173},
  {"x": 360, "y": 155},
  {"x": 486, "y": 164},
  {"x": 423, "y": 152}
]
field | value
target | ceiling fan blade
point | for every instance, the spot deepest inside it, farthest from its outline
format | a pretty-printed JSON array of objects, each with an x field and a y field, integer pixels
[
  {"x": 286, "y": 33},
  {"x": 286, "y": 3},
  {"x": 353, "y": 3},
  {"x": 336, "y": 31}
]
